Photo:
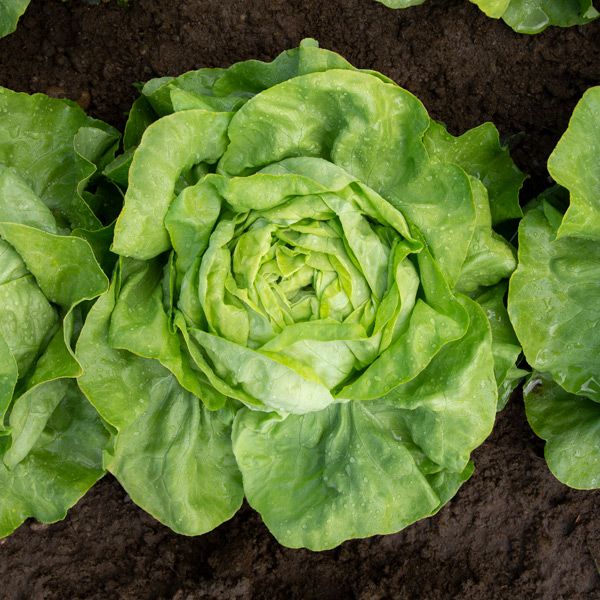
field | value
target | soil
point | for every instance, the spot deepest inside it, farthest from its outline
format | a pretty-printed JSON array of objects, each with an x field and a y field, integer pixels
[{"x": 512, "y": 530}]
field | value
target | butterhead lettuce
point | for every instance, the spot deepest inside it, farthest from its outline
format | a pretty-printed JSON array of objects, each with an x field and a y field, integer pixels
[
  {"x": 527, "y": 16},
  {"x": 52, "y": 245},
  {"x": 293, "y": 315},
  {"x": 554, "y": 302}
]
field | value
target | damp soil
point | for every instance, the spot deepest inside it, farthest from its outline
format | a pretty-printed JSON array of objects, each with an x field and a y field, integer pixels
[{"x": 512, "y": 530}]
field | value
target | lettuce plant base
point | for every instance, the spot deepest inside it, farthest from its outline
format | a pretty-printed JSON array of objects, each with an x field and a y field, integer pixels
[{"x": 513, "y": 530}]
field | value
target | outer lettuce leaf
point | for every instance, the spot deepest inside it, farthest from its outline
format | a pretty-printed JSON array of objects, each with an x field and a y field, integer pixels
[
  {"x": 571, "y": 427},
  {"x": 554, "y": 303},
  {"x": 493, "y": 8},
  {"x": 401, "y": 3},
  {"x": 574, "y": 165},
  {"x": 296, "y": 242},
  {"x": 505, "y": 344},
  {"x": 533, "y": 16},
  {"x": 480, "y": 153},
  {"x": 527, "y": 16},
  {"x": 495, "y": 184},
  {"x": 10, "y": 12},
  {"x": 51, "y": 442},
  {"x": 337, "y": 474},
  {"x": 62, "y": 464},
  {"x": 172, "y": 455}
]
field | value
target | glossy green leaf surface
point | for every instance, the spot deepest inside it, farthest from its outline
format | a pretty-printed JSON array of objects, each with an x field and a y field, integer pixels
[
  {"x": 533, "y": 16},
  {"x": 505, "y": 345},
  {"x": 571, "y": 427},
  {"x": 64, "y": 461},
  {"x": 554, "y": 303},
  {"x": 574, "y": 165},
  {"x": 52, "y": 441},
  {"x": 401, "y": 3},
  {"x": 527, "y": 16},
  {"x": 172, "y": 455},
  {"x": 288, "y": 319},
  {"x": 335, "y": 474},
  {"x": 10, "y": 12}
]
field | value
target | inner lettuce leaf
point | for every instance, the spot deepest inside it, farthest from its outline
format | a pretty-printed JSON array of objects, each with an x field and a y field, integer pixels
[
  {"x": 10, "y": 12},
  {"x": 554, "y": 302},
  {"x": 299, "y": 311},
  {"x": 52, "y": 246},
  {"x": 527, "y": 16}
]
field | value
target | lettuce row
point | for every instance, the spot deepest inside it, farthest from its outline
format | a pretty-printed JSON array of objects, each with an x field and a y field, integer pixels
[
  {"x": 527, "y": 16},
  {"x": 554, "y": 302},
  {"x": 52, "y": 246},
  {"x": 294, "y": 315},
  {"x": 524, "y": 16}
]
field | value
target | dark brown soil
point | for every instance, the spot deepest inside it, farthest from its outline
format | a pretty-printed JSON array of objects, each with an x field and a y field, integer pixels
[{"x": 513, "y": 531}]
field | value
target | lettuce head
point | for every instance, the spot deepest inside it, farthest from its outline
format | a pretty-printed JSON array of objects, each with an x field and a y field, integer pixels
[
  {"x": 554, "y": 302},
  {"x": 53, "y": 247},
  {"x": 527, "y": 16},
  {"x": 307, "y": 310}
]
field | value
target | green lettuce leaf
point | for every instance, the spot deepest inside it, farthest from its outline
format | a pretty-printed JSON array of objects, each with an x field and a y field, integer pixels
[
  {"x": 10, "y": 12},
  {"x": 172, "y": 455},
  {"x": 50, "y": 247},
  {"x": 290, "y": 307},
  {"x": 570, "y": 425},
  {"x": 336, "y": 474},
  {"x": 554, "y": 301},
  {"x": 533, "y": 16},
  {"x": 62, "y": 464},
  {"x": 574, "y": 165},
  {"x": 505, "y": 345},
  {"x": 401, "y": 3},
  {"x": 527, "y": 16}
]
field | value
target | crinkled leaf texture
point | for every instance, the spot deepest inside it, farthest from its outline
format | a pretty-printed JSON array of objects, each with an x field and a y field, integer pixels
[
  {"x": 554, "y": 302},
  {"x": 10, "y": 12},
  {"x": 295, "y": 315},
  {"x": 533, "y": 16},
  {"x": 51, "y": 245},
  {"x": 527, "y": 16}
]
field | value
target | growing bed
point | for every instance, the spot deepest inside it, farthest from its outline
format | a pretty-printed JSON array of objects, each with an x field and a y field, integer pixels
[{"x": 512, "y": 530}]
